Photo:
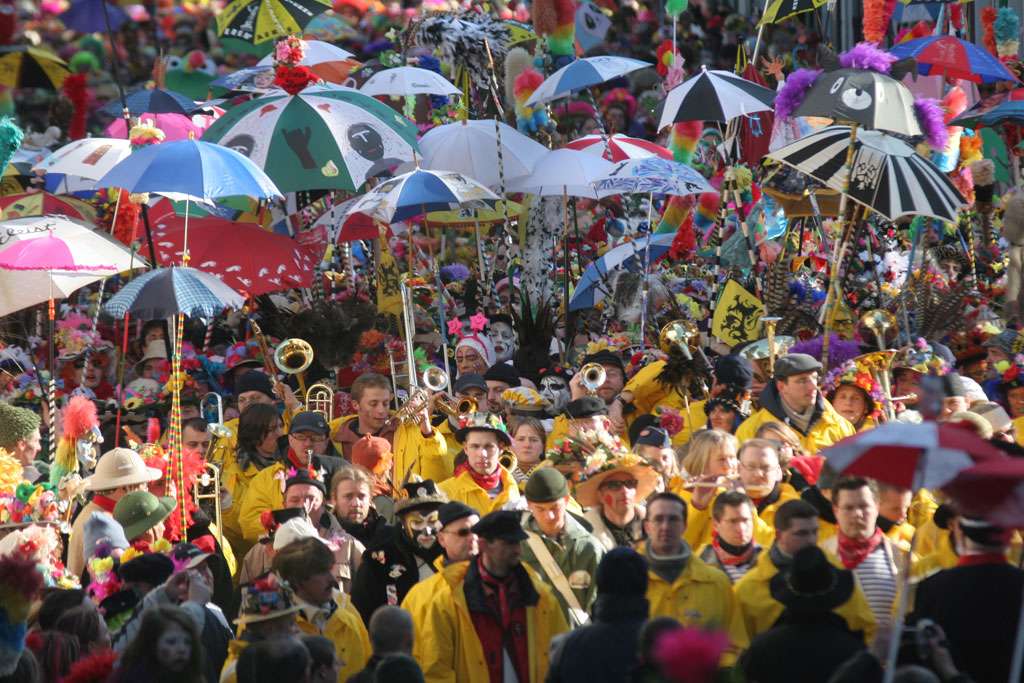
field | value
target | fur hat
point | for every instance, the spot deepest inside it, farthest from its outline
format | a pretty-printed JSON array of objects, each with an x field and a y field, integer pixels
[{"x": 16, "y": 424}]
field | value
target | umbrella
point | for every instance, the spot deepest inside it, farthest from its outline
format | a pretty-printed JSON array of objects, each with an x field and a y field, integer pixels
[
  {"x": 322, "y": 138},
  {"x": 780, "y": 10},
  {"x": 471, "y": 147},
  {"x": 200, "y": 171},
  {"x": 951, "y": 57},
  {"x": 993, "y": 110},
  {"x": 57, "y": 243},
  {"x": 714, "y": 96},
  {"x": 174, "y": 126},
  {"x": 86, "y": 158},
  {"x": 268, "y": 263},
  {"x": 152, "y": 101},
  {"x": 583, "y": 73},
  {"x": 330, "y": 27},
  {"x": 166, "y": 292},
  {"x": 329, "y": 62},
  {"x": 42, "y": 203},
  {"x": 28, "y": 67},
  {"x": 419, "y": 191},
  {"x": 250, "y": 79},
  {"x": 619, "y": 147},
  {"x": 408, "y": 80},
  {"x": 888, "y": 176},
  {"x": 87, "y": 16},
  {"x": 259, "y": 21},
  {"x": 652, "y": 175},
  {"x": 631, "y": 255},
  {"x": 993, "y": 489},
  {"x": 565, "y": 172},
  {"x": 867, "y": 98}
]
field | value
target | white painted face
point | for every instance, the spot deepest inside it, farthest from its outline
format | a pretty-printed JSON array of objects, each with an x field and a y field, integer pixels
[
  {"x": 556, "y": 390},
  {"x": 504, "y": 339}
]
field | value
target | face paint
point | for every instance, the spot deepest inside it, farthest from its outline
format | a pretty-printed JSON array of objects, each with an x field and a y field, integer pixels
[
  {"x": 422, "y": 528},
  {"x": 503, "y": 337},
  {"x": 556, "y": 390}
]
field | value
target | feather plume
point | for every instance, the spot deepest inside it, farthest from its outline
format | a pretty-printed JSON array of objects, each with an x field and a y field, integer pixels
[
  {"x": 10, "y": 140},
  {"x": 561, "y": 40},
  {"x": 867, "y": 56},
  {"x": 690, "y": 655},
  {"x": 876, "y": 20},
  {"x": 930, "y": 117},
  {"x": 79, "y": 417},
  {"x": 839, "y": 350},
  {"x": 794, "y": 91},
  {"x": 545, "y": 17},
  {"x": 683, "y": 137},
  {"x": 988, "y": 37},
  {"x": 76, "y": 89},
  {"x": 776, "y": 286},
  {"x": 954, "y": 103},
  {"x": 1007, "y": 29},
  {"x": 96, "y": 668}
]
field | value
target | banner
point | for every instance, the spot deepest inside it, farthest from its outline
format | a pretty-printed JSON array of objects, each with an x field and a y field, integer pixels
[
  {"x": 389, "y": 295},
  {"x": 737, "y": 316}
]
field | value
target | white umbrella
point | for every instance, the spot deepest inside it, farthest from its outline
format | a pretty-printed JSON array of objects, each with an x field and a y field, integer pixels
[
  {"x": 564, "y": 172},
  {"x": 86, "y": 158},
  {"x": 471, "y": 147},
  {"x": 408, "y": 80},
  {"x": 317, "y": 52},
  {"x": 583, "y": 73},
  {"x": 714, "y": 96}
]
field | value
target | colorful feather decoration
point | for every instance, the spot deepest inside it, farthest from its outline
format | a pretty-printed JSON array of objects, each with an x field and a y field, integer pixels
[
  {"x": 932, "y": 120},
  {"x": 1007, "y": 29},
  {"x": 794, "y": 91},
  {"x": 877, "y": 14},
  {"x": 988, "y": 37},
  {"x": 867, "y": 56}
]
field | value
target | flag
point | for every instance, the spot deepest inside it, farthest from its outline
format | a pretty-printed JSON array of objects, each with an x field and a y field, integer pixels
[
  {"x": 591, "y": 25},
  {"x": 737, "y": 316},
  {"x": 389, "y": 295}
]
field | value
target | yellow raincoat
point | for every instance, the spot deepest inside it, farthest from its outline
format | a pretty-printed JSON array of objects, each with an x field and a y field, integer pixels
[
  {"x": 264, "y": 492},
  {"x": 447, "y": 646},
  {"x": 826, "y": 429},
  {"x": 761, "y": 611},
  {"x": 345, "y": 629},
  {"x": 699, "y": 523},
  {"x": 463, "y": 489},
  {"x": 228, "y": 673},
  {"x": 426, "y": 456},
  {"x": 649, "y": 393}
]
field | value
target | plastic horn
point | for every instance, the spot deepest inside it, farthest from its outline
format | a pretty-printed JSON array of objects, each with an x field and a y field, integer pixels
[{"x": 770, "y": 322}]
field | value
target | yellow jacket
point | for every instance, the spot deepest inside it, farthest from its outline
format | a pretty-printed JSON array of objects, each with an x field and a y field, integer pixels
[
  {"x": 1018, "y": 429},
  {"x": 827, "y": 429},
  {"x": 559, "y": 430},
  {"x": 699, "y": 523},
  {"x": 700, "y": 596},
  {"x": 447, "y": 646},
  {"x": 345, "y": 629},
  {"x": 649, "y": 393},
  {"x": 264, "y": 492},
  {"x": 463, "y": 489},
  {"x": 761, "y": 611},
  {"x": 229, "y": 674},
  {"x": 413, "y": 453}
]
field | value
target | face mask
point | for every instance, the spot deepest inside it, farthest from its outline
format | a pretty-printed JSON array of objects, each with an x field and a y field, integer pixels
[
  {"x": 556, "y": 391},
  {"x": 503, "y": 337},
  {"x": 422, "y": 528}
]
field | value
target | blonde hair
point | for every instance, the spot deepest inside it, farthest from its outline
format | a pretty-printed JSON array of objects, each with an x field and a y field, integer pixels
[
  {"x": 702, "y": 446},
  {"x": 785, "y": 435}
]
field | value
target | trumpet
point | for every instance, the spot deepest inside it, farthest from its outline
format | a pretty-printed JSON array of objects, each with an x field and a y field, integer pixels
[
  {"x": 592, "y": 377},
  {"x": 679, "y": 335},
  {"x": 320, "y": 399},
  {"x": 211, "y": 407},
  {"x": 454, "y": 408},
  {"x": 434, "y": 380},
  {"x": 293, "y": 357},
  {"x": 508, "y": 460}
]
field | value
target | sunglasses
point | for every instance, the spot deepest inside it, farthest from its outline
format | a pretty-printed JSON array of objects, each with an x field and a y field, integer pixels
[
  {"x": 461, "y": 533},
  {"x": 617, "y": 484}
]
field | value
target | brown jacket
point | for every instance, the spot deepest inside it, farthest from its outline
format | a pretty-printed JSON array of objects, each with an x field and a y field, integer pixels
[{"x": 76, "y": 553}]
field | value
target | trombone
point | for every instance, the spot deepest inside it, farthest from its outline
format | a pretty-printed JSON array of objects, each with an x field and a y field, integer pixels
[
  {"x": 207, "y": 487},
  {"x": 211, "y": 407},
  {"x": 320, "y": 399},
  {"x": 434, "y": 381}
]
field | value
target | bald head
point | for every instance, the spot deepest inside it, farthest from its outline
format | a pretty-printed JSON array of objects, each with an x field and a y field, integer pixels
[{"x": 391, "y": 631}]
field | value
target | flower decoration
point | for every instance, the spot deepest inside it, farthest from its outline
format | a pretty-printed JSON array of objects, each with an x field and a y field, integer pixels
[
  {"x": 290, "y": 51},
  {"x": 590, "y": 452},
  {"x": 1012, "y": 373},
  {"x": 289, "y": 74},
  {"x": 851, "y": 374},
  {"x": 669, "y": 419},
  {"x": 483, "y": 421},
  {"x": 477, "y": 322}
]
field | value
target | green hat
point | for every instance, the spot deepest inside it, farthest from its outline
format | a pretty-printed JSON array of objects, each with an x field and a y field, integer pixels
[
  {"x": 140, "y": 511},
  {"x": 546, "y": 485},
  {"x": 16, "y": 424}
]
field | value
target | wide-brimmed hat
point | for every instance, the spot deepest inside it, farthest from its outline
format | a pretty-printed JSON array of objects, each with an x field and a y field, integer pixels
[
  {"x": 812, "y": 583},
  {"x": 265, "y": 599},
  {"x": 420, "y": 494},
  {"x": 120, "y": 467},
  {"x": 488, "y": 422},
  {"x": 140, "y": 511},
  {"x": 631, "y": 464},
  {"x": 155, "y": 350}
]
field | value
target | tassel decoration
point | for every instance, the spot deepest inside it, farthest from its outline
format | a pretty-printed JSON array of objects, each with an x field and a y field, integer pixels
[{"x": 1007, "y": 30}]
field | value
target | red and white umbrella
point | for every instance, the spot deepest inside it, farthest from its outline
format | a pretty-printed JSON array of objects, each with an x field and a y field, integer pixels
[
  {"x": 912, "y": 456},
  {"x": 993, "y": 489},
  {"x": 619, "y": 147}
]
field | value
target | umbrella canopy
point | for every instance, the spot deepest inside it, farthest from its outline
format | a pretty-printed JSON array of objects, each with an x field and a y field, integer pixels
[
  {"x": 250, "y": 79},
  {"x": 993, "y": 489},
  {"x": 471, "y": 148},
  {"x": 174, "y": 126},
  {"x": 419, "y": 191},
  {"x": 780, "y": 10},
  {"x": 619, "y": 147},
  {"x": 867, "y": 98},
  {"x": 268, "y": 263},
  {"x": 714, "y": 96},
  {"x": 42, "y": 203},
  {"x": 86, "y": 16},
  {"x": 152, "y": 101},
  {"x": 329, "y": 62},
  {"x": 408, "y": 80},
  {"x": 652, "y": 175},
  {"x": 952, "y": 57},
  {"x": 28, "y": 67},
  {"x": 86, "y": 158},
  {"x": 994, "y": 109},
  {"x": 259, "y": 21},
  {"x": 889, "y": 177},
  {"x": 322, "y": 138},
  {"x": 330, "y": 27},
  {"x": 165, "y": 292},
  {"x": 563, "y": 172},
  {"x": 583, "y": 73},
  {"x": 198, "y": 170},
  {"x": 912, "y": 456},
  {"x": 53, "y": 253},
  {"x": 589, "y": 290}
]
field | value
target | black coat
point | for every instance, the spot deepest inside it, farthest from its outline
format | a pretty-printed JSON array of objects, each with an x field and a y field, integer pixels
[
  {"x": 800, "y": 648},
  {"x": 390, "y": 562},
  {"x": 604, "y": 650},
  {"x": 978, "y": 607}
]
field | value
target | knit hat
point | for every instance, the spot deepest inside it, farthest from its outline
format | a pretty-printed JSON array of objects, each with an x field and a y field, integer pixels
[
  {"x": 503, "y": 372},
  {"x": 546, "y": 485},
  {"x": 480, "y": 343},
  {"x": 622, "y": 571},
  {"x": 254, "y": 381},
  {"x": 293, "y": 530},
  {"x": 16, "y": 424},
  {"x": 151, "y": 568},
  {"x": 140, "y": 511},
  {"x": 373, "y": 453},
  {"x": 102, "y": 528},
  {"x": 736, "y": 371}
]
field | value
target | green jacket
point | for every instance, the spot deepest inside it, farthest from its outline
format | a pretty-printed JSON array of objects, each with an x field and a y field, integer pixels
[{"x": 577, "y": 554}]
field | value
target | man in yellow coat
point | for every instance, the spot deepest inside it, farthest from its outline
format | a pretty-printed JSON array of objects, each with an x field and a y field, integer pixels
[
  {"x": 490, "y": 615},
  {"x": 482, "y": 482},
  {"x": 793, "y": 398}
]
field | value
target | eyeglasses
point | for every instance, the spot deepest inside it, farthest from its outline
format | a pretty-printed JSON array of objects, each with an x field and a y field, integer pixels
[
  {"x": 765, "y": 470},
  {"x": 308, "y": 438},
  {"x": 618, "y": 484},
  {"x": 461, "y": 533}
]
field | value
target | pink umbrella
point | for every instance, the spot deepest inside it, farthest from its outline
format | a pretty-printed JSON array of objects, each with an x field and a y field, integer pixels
[
  {"x": 174, "y": 126},
  {"x": 244, "y": 256},
  {"x": 620, "y": 147}
]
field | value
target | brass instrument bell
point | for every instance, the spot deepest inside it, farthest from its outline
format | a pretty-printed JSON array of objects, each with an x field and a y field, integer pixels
[
  {"x": 293, "y": 357},
  {"x": 592, "y": 377},
  {"x": 320, "y": 399},
  {"x": 680, "y": 335},
  {"x": 879, "y": 365},
  {"x": 207, "y": 488},
  {"x": 880, "y": 323}
]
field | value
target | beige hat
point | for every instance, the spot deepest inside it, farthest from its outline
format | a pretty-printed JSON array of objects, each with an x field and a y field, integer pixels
[
  {"x": 155, "y": 350},
  {"x": 120, "y": 467},
  {"x": 293, "y": 530},
  {"x": 994, "y": 414}
]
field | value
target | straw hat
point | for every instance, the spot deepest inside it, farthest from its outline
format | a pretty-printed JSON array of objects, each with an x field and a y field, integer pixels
[{"x": 120, "y": 467}]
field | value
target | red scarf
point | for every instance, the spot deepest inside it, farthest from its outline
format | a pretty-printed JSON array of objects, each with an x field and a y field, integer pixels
[
  {"x": 488, "y": 482},
  {"x": 508, "y": 632},
  {"x": 294, "y": 460},
  {"x": 106, "y": 503},
  {"x": 728, "y": 558},
  {"x": 852, "y": 551},
  {"x": 981, "y": 558}
]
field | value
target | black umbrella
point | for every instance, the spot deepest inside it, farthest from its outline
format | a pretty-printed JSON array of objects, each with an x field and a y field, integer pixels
[
  {"x": 153, "y": 101},
  {"x": 714, "y": 96},
  {"x": 867, "y": 98}
]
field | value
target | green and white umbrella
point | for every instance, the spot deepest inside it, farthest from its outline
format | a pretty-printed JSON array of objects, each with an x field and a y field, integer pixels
[{"x": 325, "y": 138}]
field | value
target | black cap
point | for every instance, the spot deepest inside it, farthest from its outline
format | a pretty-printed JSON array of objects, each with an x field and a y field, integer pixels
[
  {"x": 795, "y": 364},
  {"x": 588, "y": 406},
  {"x": 152, "y": 568},
  {"x": 254, "y": 380},
  {"x": 453, "y": 512},
  {"x": 811, "y": 583},
  {"x": 640, "y": 423},
  {"x": 735, "y": 371},
  {"x": 503, "y": 372},
  {"x": 309, "y": 421},
  {"x": 501, "y": 524},
  {"x": 653, "y": 436},
  {"x": 284, "y": 514},
  {"x": 605, "y": 357},
  {"x": 622, "y": 571},
  {"x": 303, "y": 476},
  {"x": 470, "y": 381}
]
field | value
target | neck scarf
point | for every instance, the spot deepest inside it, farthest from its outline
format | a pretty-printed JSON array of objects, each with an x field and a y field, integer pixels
[
  {"x": 773, "y": 497},
  {"x": 294, "y": 461},
  {"x": 732, "y": 555},
  {"x": 668, "y": 567},
  {"x": 106, "y": 503},
  {"x": 802, "y": 421},
  {"x": 852, "y": 551},
  {"x": 501, "y": 586},
  {"x": 780, "y": 559},
  {"x": 981, "y": 558},
  {"x": 488, "y": 482}
]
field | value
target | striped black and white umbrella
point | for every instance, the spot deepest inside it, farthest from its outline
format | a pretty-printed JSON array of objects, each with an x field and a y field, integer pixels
[
  {"x": 714, "y": 96},
  {"x": 886, "y": 174}
]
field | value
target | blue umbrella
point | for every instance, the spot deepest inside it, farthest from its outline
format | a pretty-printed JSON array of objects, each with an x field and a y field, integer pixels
[
  {"x": 152, "y": 101},
  {"x": 421, "y": 191},
  {"x": 589, "y": 290},
  {"x": 166, "y": 292},
  {"x": 583, "y": 73},
  {"x": 197, "y": 170},
  {"x": 652, "y": 175},
  {"x": 86, "y": 16},
  {"x": 954, "y": 58}
]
